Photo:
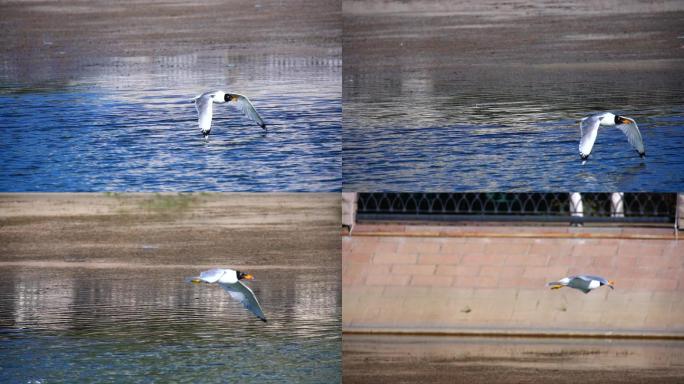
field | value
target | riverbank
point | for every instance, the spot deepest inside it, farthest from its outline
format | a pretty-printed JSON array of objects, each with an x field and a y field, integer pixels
[
  {"x": 91, "y": 230},
  {"x": 406, "y": 359}
]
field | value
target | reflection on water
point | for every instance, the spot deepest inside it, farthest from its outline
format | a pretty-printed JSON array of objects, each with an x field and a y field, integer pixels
[
  {"x": 509, "y": 127},
  {"x": 520, "y": 352},
  {"x": 111, "y": 325},
  {"x": 129, "y": 124}
]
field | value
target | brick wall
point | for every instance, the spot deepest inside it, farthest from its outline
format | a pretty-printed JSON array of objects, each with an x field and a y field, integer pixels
[{"x": 463, "y": 279}]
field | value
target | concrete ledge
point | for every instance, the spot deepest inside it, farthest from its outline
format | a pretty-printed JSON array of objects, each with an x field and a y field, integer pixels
[{"x": 490, "y": 230}]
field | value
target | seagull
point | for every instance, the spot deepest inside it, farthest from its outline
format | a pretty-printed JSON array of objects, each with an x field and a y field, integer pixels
[
  {"x": 584, "y": 283},
  {"x": 204, "y": 106},
  {"x": 229, "y": 280},
  {"x": 589, "y": 129}
]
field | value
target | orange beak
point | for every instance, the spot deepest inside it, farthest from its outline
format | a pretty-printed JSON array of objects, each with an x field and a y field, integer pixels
[
  {"x": 611, "y": 283},
  {"x": 248, "y": 277},
  {"x": 625, "y": 121}
]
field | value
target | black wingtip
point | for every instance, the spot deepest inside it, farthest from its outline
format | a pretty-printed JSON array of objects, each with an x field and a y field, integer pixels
[
  {"x": 262, "y": 126},
  {"x": 263, "y": 319},
  {"x": 642, "y": 154},
  {"x": 583, "y": 156}
]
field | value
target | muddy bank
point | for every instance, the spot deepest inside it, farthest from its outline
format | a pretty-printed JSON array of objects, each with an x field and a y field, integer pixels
[
  {"x": 142, "y": 28},
  {"x": 170, "y": 229},
  {"x": 434, "y": 372},
  {"x": 388, "y": 359},
  {"x": 53, "y": 45},
  {"x": 529, "y": 48},
  {"x": 419, "y": 34}
]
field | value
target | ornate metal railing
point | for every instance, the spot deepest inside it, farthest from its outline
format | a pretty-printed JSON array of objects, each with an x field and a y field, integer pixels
[{"x": 544, "y": 207}]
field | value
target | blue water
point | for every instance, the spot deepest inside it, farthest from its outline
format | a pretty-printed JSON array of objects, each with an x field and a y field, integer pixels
[
  {"x": 508, "y": 130},
  {"x": 124, "y": 325},
  {"x": 128, "y": 124}
]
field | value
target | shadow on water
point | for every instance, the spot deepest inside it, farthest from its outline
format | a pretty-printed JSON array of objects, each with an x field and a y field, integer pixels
[
  {"x": 128, "y": 124},
  {"x": 127, "y": 324}
]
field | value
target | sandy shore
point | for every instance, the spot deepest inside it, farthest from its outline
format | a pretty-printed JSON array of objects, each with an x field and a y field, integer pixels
[
  {"x": 116, "y": 231},
  {"x": 144, "y": 28},
  {"x": 49, "y": 45}
]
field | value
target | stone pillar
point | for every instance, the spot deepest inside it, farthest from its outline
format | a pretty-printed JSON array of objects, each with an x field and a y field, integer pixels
[
  {"x": 576, "y": 206},
  {"x": 349, "y": 200},
  {"x": 617, "y": 204}
]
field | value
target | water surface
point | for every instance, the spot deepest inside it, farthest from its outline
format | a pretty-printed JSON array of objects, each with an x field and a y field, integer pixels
[
  {"x": 128, "y": 124},
  {"x": 482, "y": 96},
  {"x": 512, "y": 128},
  {"x": 147, "y": 325}
]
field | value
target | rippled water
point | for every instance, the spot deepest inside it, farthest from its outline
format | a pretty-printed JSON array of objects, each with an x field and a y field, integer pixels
[
  {"x": 128, "y": 124},
  {"x": 147, "y": 325},
  {"x": 509, "y": 128}
]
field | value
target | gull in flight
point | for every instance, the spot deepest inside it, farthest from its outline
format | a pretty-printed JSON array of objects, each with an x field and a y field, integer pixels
[
  {"x": 229, "y": 280},
  {"x": 584, "y": 283},
  {"x": 589, "y": 130},
  {"x": 205, "y": 109}
]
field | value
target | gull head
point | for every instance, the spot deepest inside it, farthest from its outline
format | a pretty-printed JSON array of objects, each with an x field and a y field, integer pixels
[
  {"x": 228, "y": 97},
  {"x": 621, "y": 120},
  {"x": 245, "y": 276}
]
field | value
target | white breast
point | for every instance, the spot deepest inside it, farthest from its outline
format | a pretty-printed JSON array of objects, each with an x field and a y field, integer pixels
[{"x": 229, "y": 277}]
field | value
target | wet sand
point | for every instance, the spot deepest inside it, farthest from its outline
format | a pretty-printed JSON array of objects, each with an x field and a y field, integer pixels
[
  {"x": 43, "y": 42},
  {"x": 118, "y": 230},
  {"x": 392, "y": 359},
  {"x": 444, "y": 34}
]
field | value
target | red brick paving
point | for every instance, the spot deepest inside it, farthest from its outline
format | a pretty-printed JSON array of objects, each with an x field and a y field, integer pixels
[{"x": 502, "y": 280}]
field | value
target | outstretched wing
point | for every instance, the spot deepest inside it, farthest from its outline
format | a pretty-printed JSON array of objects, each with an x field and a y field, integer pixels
[
  {"x": 593, "y": 277},
  {"x": 633, "y": 135},
  {"x": 242, "y": 293},
  {"x": 244, "y": 105},
  {"x": 204, "y": 107},
  {"x": 588, "y": 131}
]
